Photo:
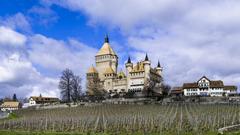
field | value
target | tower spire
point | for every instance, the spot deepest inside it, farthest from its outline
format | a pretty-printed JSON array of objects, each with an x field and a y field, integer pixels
[
  {"x": 106, "y": 39},
  {"x": 158, "y": 65},
  {"x": 129, "y": 60},
  {"x": 146, "y": 57}
]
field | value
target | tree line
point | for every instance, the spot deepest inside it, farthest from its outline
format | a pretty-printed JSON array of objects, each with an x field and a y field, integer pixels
[{"x": 71, "y": 89}]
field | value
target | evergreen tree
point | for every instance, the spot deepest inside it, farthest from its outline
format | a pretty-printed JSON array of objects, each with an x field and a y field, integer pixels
[{"x": 14, "y": 97}]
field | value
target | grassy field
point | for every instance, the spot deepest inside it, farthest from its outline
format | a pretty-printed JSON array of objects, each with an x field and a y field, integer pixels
[
  {"x": 92, "y": 133},
  {"x": 179, "y": 119}
]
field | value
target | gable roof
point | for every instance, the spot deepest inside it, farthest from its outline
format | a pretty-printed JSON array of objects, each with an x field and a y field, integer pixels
[{"x": 204, "y": 77}]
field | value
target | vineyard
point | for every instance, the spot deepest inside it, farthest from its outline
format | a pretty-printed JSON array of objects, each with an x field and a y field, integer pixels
[{"x": 127, "y": 119}]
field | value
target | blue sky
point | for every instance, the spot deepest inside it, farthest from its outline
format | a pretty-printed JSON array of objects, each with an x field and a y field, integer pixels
[
  {"x": 40, "y": 38},
  {"x": 65, "y": 21}
]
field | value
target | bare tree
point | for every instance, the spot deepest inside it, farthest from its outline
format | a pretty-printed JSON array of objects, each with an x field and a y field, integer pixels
[
  {"x": 95, "y": 89},
  {"x": 149, "y": 86},
  {"x": 166, "y": 89},
  {"x": 65, "y": 84},
  {"x": 77, "y": 88}
]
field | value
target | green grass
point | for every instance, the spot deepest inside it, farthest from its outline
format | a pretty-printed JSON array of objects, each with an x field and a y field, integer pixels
[
  {"x": 173, "y": 119},
  {"x": 75, "y": 133},
  {"x": 233, "y": 133},
  {"x": 36, "y": 133},
  {"x": 10, "y": 117},
  {"x": 13, "y": 116}
]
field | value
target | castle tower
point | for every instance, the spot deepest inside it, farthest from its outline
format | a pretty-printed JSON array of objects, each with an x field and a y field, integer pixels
[
  {"x": 129, "y": 66},
  {"x": 92, "y": 73},
  {"x": 147, "y": 66},
  {"x": 159, "y": 69},
  {"x": 106, "y": 58},
  {"x": 92, "y": 78}
]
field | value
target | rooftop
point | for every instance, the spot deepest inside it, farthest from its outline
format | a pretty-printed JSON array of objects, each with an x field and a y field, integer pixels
[
  {"x": 106, "y": 49},
  {"x": 11, "y": 104},
  {"x": 92, "y": 69}
]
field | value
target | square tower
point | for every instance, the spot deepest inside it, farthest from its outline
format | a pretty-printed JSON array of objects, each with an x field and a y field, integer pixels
[{"x": 106, "y": 58}]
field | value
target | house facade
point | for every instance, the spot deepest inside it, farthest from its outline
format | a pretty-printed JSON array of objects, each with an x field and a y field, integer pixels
[
  {"x": 176, "y": 92},
  {"x": 10, "y": 106},
  {"x": 207, "y": 87},
  {"x": 133, "y": 79},
  {"x": 34, "y": 100}
]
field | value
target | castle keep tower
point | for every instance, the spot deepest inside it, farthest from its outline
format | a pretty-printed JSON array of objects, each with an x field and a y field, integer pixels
[{"x": 106, "y": 58}]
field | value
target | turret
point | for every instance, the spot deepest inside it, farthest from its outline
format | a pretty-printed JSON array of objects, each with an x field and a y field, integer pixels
[
  {"x": 92, "y": 73},
  {"x": 92, "y": 78},
  {"x": 129, "y": 66},
  {"x": 147, "y": 66},
  {"x": 146, "y": 58},
  {"x": 159, "y": 68}
]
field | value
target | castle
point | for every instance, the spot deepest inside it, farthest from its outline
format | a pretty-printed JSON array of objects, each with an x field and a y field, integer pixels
[{"x": 134, "y": 79}]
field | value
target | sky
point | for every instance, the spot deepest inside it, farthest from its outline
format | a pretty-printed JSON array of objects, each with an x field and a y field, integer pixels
[{"x": 41, "y": 38}]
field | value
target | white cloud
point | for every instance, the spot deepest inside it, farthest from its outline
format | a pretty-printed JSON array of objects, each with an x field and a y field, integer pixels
[
  {"x": 59, "y": 55},
  {"x": 26, "y": 70},
  {"x": 191, "y": 38},
  {"x": 19, "y": 76},
  {"x": 10, "y": 37},
  {"x": 55, "y": 55},
  {"x": 128, "y": 14}
]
